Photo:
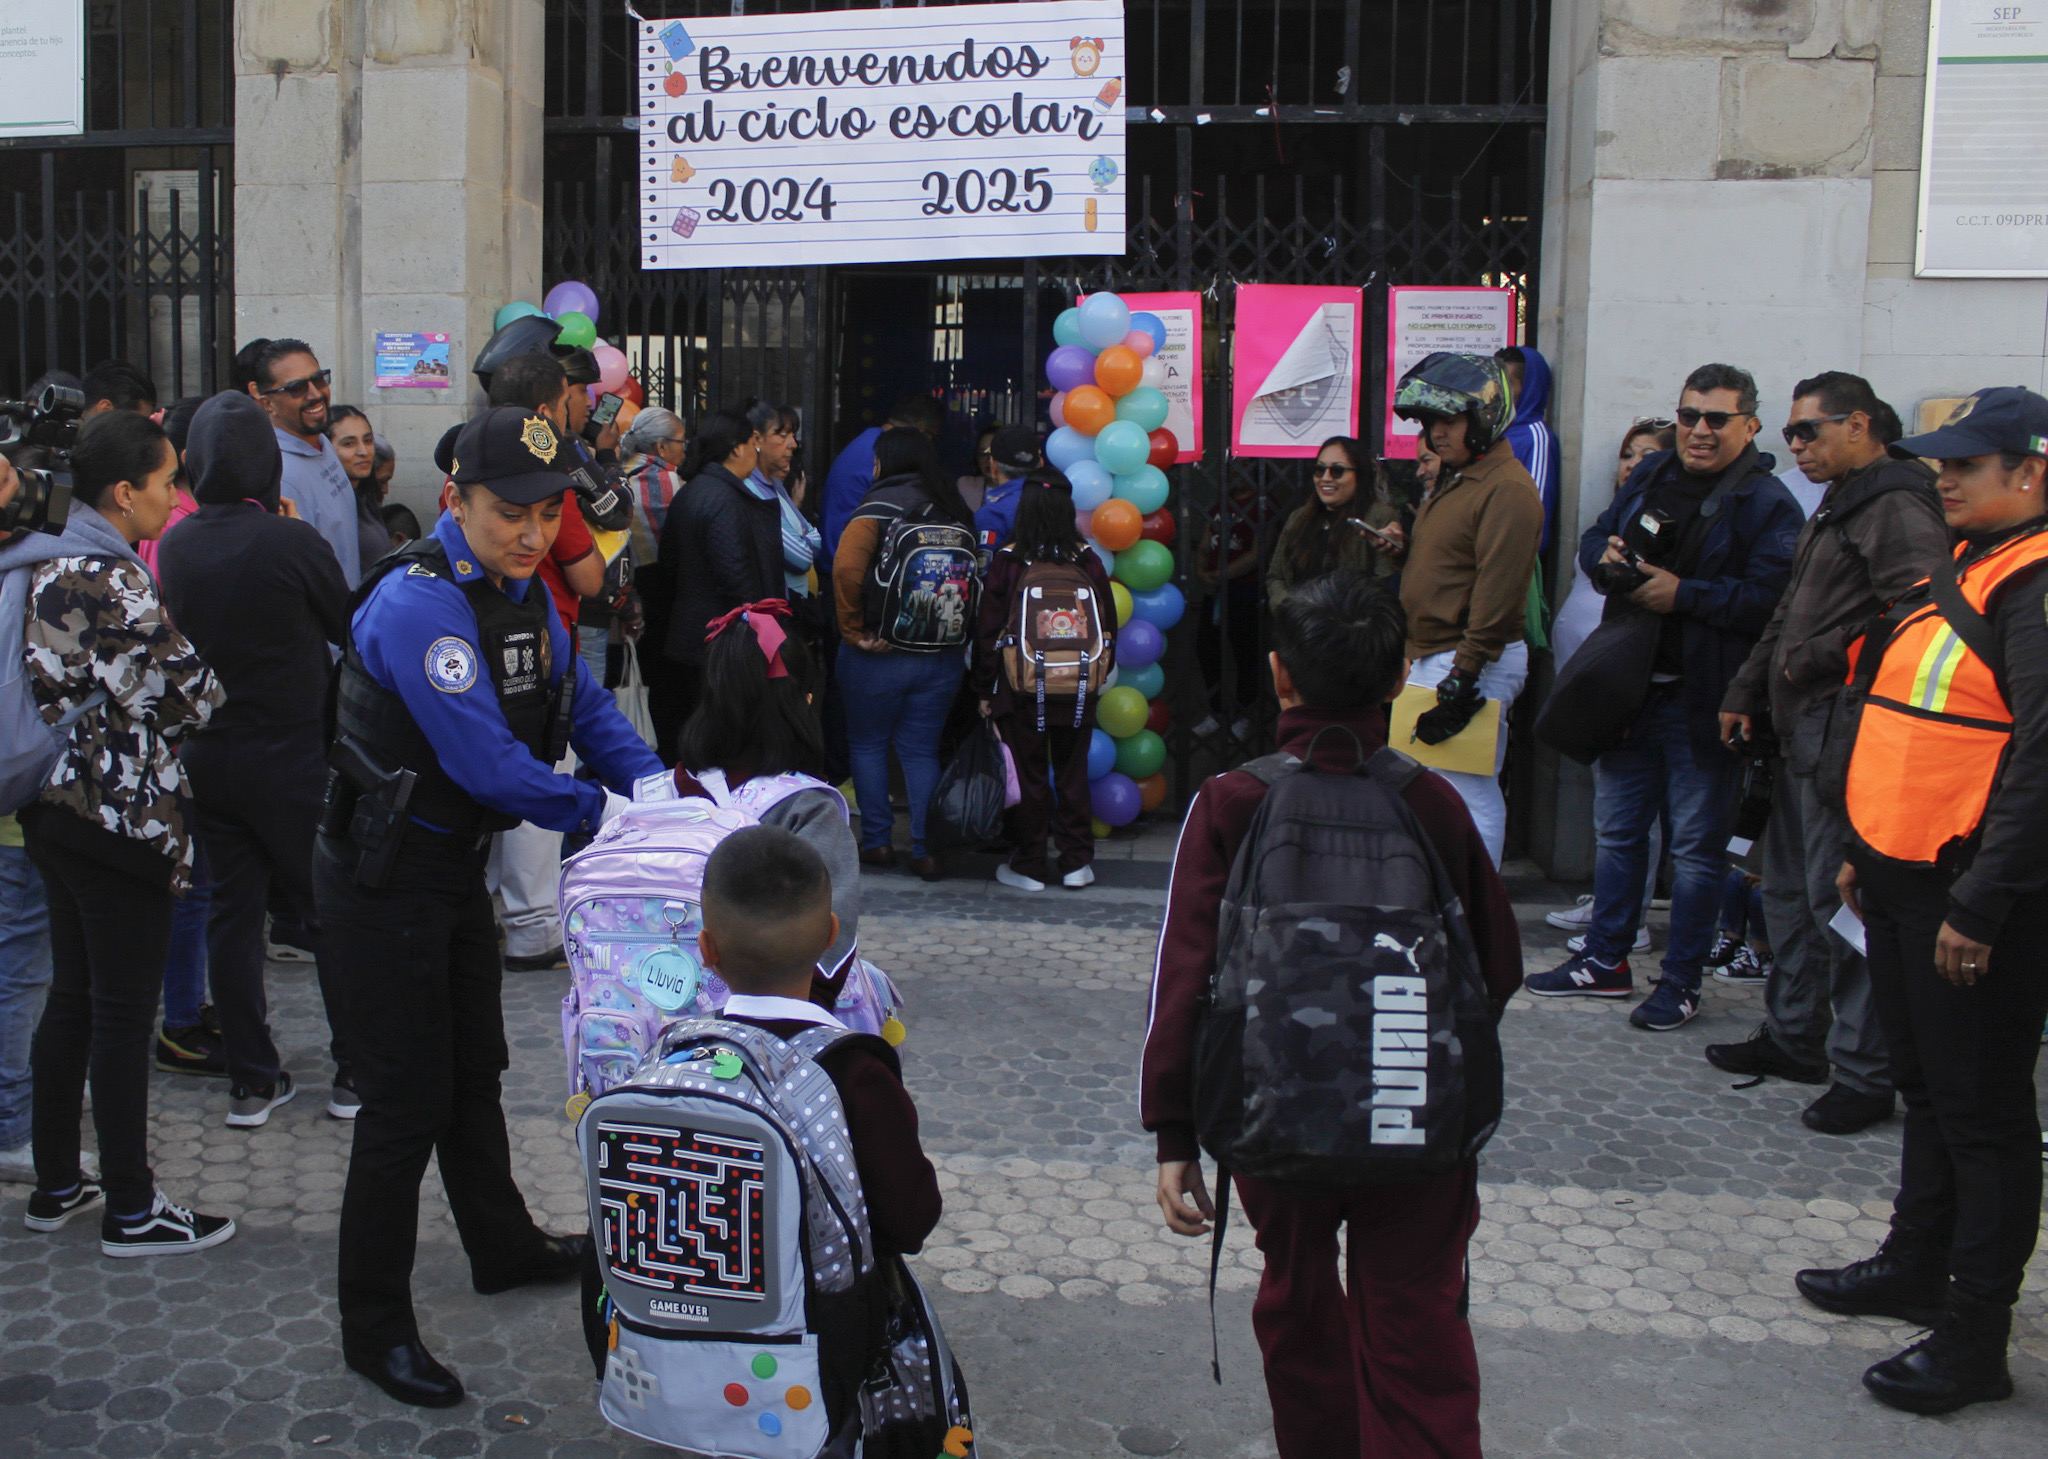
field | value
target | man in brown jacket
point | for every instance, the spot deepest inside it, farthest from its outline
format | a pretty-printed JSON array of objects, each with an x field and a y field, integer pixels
[
  {"x": 1877, "y": 531},
  {"x": 1470, "y": 554}
]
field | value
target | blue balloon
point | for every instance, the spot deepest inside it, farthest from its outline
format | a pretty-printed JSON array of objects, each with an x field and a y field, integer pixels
[
  {"x": 1092, "y": 484},
  {"x": 1121, "y": 446},
  {"x": 1149, "y": 681},
  {"x": 1161, "y": 606},
  {"x": 1101, "y": 754},
  {"x": 1066, "y": 446},
  {"x": 1116, "y": 799},
  {"x": 1067, "y": 328},
  {"x": 1144, "y": 488},
  {"x": 1153, "y": 325},
  {"x": 1138, "y": 646},
  {"x": 1105, "y": 320},
  {"x": 1108, "y": 561}
]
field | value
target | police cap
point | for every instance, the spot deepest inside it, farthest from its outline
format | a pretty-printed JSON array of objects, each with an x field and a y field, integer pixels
[
  {"x": 1015, "y": 448},
  {"x": 2005, "y": 418},
  {"x": 514, "y": 452}
]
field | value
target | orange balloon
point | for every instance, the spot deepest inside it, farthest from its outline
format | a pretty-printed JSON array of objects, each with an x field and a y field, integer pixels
[
  {"x": 1152, "y": 790},
  {"x": 625, "y": 416},
  {"x": 1088, "y": 409},
  {"x": 1117, "y": 524},
  {"x": 1117, "y": 370}
]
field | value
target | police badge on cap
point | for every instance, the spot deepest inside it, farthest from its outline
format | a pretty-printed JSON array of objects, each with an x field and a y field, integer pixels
[{"x": 515, "y": 454}]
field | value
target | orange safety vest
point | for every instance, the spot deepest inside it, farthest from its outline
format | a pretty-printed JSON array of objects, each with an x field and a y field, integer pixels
[{"x": 1934, "y": 726}]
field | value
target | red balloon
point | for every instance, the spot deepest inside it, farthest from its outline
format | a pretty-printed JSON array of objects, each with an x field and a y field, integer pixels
[
  {"x": 1152, "y": 790},
  {"x": 631, "y": 391},
  {"x": 1165, "y": 449},
  {"x": 1159, "y": 716},
  {"x": 1157, "y": 527}
]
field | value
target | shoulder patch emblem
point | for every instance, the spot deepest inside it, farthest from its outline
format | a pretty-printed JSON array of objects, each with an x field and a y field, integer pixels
[
  {"x": 539, "y": 437},
  {"x": 451, "y": 665},
  {"x": 420, "y": 570}
]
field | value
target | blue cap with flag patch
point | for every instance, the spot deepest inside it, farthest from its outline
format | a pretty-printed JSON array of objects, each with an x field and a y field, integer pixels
[{"x": 2005, "y": 418}]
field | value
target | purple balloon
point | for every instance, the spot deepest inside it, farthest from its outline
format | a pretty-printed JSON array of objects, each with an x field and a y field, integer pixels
[
  {"x": 570, "y": 297},
  {"x": 1138, "y": 645},
  {"x": 1068, "y": 366},
  {"x": 1115, "y": 799}
]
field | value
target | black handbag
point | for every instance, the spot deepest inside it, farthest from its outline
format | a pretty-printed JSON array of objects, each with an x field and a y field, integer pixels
[
  {"x": 966, "y": 808},
  {"x": 1599, "y": 691}
]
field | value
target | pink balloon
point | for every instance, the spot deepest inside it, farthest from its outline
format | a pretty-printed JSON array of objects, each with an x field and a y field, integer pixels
[
  {"x": 612, "y": 367},
  {"x": 1084, "y": 523},
  {"x": 1059, "y": 409},
  {"x": 1140, "y": 342}
]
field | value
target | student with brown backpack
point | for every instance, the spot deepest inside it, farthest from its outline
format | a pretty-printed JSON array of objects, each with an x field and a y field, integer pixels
[{"x": 1045, "y": 641}]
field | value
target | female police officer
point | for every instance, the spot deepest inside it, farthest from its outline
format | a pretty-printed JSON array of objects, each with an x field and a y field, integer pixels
[
  {"x": 1947, "y": 798},
  {"x": 458, "y": 691}
]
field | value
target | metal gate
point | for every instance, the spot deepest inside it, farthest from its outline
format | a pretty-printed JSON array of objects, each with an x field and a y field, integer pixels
[
  {"x": 1270, "y": 141},
  {"x": 114, "y": 243}
]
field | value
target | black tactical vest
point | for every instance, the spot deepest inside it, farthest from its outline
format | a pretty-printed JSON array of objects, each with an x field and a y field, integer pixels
[{"x": 513, "y": 639}]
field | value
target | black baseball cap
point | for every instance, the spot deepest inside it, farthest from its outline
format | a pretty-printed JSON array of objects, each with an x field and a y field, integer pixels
[
  {"x": 444, "y": 450},
  {"x": 1015, "y": 447},
  {"x": 2005, "y": 418},
  {"x": 514, "y": 452}
]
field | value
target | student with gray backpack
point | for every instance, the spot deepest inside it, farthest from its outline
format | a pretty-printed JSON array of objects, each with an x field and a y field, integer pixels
[{"x": 1337, "y": 950}]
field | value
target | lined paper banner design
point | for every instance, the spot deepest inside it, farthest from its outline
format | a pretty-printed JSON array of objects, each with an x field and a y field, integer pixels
[{"x": 870, "y": 136}]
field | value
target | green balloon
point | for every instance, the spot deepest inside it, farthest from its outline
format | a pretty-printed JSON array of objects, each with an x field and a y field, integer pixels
[
  {"x": 1140, "y": 754},
  {"x": 577, "y": 329},
  {"x": 1143, "y": 566},
  {"x": 1067, "y": 328},
  {"x": 1144, "y": 408},
  {"x": 1121, "y": 712},
  {"x": 517, "y": 309}
]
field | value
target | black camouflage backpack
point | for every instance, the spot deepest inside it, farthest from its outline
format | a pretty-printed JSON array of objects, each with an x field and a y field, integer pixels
[{"x": 1347, "y": 1038}]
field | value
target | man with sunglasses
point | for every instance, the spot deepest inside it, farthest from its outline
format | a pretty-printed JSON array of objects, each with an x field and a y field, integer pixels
[
  {"x": 1701, "y": 536},
  {"x": 1877, "y": 531},
  {"x": 288, "y": 382}
]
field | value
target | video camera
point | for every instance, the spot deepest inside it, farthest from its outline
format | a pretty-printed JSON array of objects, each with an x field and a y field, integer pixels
[{"x": 36, "y": 436}]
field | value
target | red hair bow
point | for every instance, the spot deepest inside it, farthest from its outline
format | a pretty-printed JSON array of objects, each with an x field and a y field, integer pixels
[{"x": 767, "y": 632}]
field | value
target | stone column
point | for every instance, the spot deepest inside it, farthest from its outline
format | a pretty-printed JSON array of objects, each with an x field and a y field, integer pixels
[{"x": 387, "y": 171}]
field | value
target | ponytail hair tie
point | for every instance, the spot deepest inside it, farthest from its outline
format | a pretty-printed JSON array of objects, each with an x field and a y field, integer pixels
[{"x": 762, "y": 618}]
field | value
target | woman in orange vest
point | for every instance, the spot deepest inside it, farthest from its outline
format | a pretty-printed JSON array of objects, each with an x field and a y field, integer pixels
[{"x": 1947, "y": 797}]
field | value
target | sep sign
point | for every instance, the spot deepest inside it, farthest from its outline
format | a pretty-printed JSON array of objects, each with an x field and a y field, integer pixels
[{"x": 864, "y": 136}]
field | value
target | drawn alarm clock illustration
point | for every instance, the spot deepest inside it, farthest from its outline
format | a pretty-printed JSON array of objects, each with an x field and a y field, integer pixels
[{"x": 1087, "y": 55}]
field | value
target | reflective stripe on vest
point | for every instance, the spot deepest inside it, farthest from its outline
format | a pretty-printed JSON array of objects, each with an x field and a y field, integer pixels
[{"x": 1934, "y": 726}]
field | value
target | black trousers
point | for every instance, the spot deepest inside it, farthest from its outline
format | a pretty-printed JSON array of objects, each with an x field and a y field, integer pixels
[
  {"x": 417, "y": 961},
  {"x": 109, "y": 934},
  {"x": 259, "y": 795},
  {"x": 1062, "y": 749},
  {"x": 1963, "y": 1062}
]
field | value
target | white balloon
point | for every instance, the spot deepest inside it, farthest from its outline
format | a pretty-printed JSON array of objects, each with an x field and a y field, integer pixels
[{"x": 1154, "y": 373}]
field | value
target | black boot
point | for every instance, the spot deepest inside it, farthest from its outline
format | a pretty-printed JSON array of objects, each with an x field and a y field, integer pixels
[
  {"x": 1961, "y": 1362},
  {"x": 1907, "y": 1279}
]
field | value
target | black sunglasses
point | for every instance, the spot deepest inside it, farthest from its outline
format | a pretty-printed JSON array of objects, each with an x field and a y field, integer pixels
[
  {"x": 1717, "y": 420},
  {"x": 297, "y": 388},
  {"x": 1326, "y": 468},
  {"x": 1805, "y": 431}
]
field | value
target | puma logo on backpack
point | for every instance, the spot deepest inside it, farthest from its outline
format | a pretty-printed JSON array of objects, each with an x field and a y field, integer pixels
[
  {"x": 1056, "y": 647},
  {"x": 924, "y": 582}
]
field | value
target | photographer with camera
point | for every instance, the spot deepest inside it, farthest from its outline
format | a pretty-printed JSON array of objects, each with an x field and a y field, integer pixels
[
  {"x": 1701, "y": 538},
  {"x": 117, "y": 385}
]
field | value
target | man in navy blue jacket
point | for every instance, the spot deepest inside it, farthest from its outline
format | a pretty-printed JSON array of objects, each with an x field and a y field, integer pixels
[{"x": 1702, "y": 536}]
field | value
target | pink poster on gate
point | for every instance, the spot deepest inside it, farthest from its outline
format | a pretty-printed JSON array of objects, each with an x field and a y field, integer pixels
[
  {"x": 1182, "y": 355},
  {"x": 1294, "y": 368}
]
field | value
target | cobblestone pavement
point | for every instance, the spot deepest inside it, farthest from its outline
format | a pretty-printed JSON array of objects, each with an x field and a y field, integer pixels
[{"x": 1631, "y": 1274}]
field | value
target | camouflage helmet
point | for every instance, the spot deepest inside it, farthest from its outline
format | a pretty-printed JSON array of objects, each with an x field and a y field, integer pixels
[{"x": 1474, "y": 386}]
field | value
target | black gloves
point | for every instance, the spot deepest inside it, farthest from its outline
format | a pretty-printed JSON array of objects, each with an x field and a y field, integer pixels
[{"x": 1457, "y": 700}]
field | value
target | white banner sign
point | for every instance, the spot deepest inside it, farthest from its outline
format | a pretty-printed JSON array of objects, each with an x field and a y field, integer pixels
[
  {"x": 1458, "y": 319},
  {"x": 1984, "y": 144},
  {"x": 864, "y": 136},
  {"x": 42, "y": 68}
]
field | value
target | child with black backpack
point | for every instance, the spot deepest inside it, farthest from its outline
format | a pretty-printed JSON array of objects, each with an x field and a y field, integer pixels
[
  {"x": 1045, "y": 642},
  {"x": 1342, "y": 1063}
]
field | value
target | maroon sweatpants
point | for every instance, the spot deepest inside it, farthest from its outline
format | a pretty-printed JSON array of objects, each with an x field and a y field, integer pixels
[
  {"x": 1381, "y": 1366},
  {"x": 1064, "y": 748}
]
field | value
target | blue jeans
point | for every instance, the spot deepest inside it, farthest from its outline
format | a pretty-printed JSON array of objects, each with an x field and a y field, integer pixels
[
  {"x": 898, "y": 699},
  {"x": 185, "y": 968},
  {"x": 1742, "y": 908},
  {"x": 24, "y": 979},
  {"x": 1656, "y": 770},
  {"x": 592, "y": 644}
]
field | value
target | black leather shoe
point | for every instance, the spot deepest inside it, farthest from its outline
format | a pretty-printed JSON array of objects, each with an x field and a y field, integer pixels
[
  {"x": 1844, "y": 1111},
  {"x": 1959, "y": 1363},
  {"x": 559, "y": 1258},
  {"x": 1906, "y": 1279},
  {"x": 927, "y": 868},
  {"x": 878, "y": 856},
  {"x": 1759, "y": 1055},
  {"x": 408, "y": 1373}
]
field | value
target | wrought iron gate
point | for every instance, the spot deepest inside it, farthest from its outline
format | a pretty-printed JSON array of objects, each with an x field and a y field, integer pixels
[{"x": 1271, "y": 141}]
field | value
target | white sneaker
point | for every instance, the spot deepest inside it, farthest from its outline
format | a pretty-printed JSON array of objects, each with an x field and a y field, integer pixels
[
  {"x": 1241, "y": 728},
  {"x": 19, "y": 1164},
  {"x": 250, "y": 1105},
  {"x": 1207, "y": 727},
  {"x": 1080, "y": 876},
  {"x": 1581, "y": 915},
  {"x": 167, "y": 1229},
  {"x": 1641, "y": 944},
  {"x": 1017, "y": 879}
]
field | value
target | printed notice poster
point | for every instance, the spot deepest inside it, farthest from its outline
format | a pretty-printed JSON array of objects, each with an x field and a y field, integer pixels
[
  {"x": 1984, "y": 143},
  {"x": 1294, "y": 368},
  {"x": 863, "y": 136},
  {"x": 412, "y": 361},
  {"x": 1422, "y": 321},
  {"x": 1182, "y": 356},
  {"x": 42, "y": 68}
]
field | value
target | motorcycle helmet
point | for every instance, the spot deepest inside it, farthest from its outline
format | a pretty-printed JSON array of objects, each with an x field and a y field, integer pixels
[
  {"x": 534, "y": 334},
  {"x": 1474, "y": 386}
]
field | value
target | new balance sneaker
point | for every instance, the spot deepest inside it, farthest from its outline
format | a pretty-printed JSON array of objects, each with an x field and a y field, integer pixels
[
  {"x": 1668, "y": 1006},
  {"x": 1747, "y": 966},
  {"x": 164, "y": 1231},
  {"x": 1582, "y": 977},
  {"x": 1580, "y": 915},
  {"x": 1641, "y": 944},
  {"x": 250, "y": 1104},
  {"x": 342, "y": 1101},
  {"x": 47, "y": 1212},
  {"x": 1726, "y": 945}
]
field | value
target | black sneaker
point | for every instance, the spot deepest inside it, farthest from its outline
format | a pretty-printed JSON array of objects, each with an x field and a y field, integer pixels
[
  {"x": 1747, "y": 966},
  {"x": 343, "y": 1102},
  {"x": 1725, "y": 949},
  {"x": 47, "y": 1212},
  {"x": 251, "y": 1104},
  {"x": 1759, "y": 1055},
  {"x": 194, "y": 1050},
  {"x": 1846, "y": 1111},
  {"x": 539, "y": 963},
  {"x": 166, "y": 1230},
  {"x": 1669, "y": 1006}
]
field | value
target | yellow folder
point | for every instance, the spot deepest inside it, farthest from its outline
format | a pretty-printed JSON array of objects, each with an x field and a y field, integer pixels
[{"x": 1470, "y": 750}]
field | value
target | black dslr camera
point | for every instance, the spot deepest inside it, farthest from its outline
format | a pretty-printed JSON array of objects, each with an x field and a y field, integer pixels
[
  {"x": 36, "y": 436},
  {"x": 1619, "y": 579}
]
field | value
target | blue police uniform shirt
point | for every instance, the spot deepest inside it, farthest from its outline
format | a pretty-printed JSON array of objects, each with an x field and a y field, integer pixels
[
  {"x": 996, "y": 519},
  {"x": 417, "y": 636}
]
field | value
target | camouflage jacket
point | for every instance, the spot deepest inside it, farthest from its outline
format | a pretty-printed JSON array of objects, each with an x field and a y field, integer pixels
[{"x": 96, "y": 623}]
